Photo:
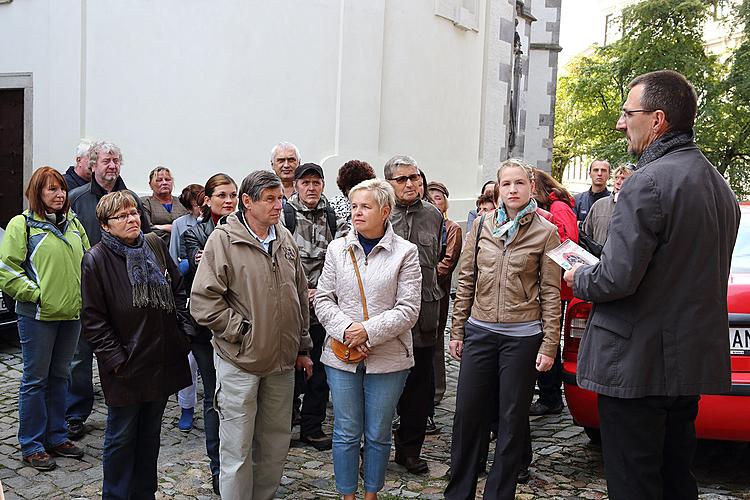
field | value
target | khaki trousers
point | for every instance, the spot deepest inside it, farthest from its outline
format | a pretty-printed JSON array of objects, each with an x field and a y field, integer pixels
[{"x": 255, "y": 414}]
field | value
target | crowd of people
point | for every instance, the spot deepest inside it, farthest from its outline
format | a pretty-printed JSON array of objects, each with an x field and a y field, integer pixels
[{"x": 271, "y": 291}]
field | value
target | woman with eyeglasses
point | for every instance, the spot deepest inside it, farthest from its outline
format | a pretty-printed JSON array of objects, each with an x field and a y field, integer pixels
[
  {"x": 161, "y": 207},
  {"x": 220, "y": 200},
  {"x": 40, "y": 267},
  {"x": 135, "y": 318}
]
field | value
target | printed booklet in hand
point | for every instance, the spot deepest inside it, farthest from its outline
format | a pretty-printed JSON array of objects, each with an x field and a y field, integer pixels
[{"x": 569, "y": 254}]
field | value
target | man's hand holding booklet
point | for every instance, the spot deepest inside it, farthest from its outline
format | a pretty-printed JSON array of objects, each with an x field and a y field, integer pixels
[{"x": 568, "y": 255}]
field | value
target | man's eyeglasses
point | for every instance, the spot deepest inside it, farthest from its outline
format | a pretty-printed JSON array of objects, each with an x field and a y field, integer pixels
[
  {"x": 627, "y": 113},
  {"x": 402, "y": 180},
  {"x": 224, "y": 196},
  {"x": 133, "y": 213}
]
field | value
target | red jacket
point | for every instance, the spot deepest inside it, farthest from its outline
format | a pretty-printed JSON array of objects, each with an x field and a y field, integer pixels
[{"x": 567, "y": 228}]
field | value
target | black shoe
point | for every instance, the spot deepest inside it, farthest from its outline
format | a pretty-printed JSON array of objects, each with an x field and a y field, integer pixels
[
  {"x": 431, "y": 427},
  {"x": 76, "y": 429},
  {"x": 415, "y": 465},
  {"x": 538, "y": 408},
  {"x": 318, "y": 440},
  {"x": 40, "y": 461},
  {"x": 524, "y": 475},
  {"x": 215, "y": 484},
  {"x": 67, "y": 449}
]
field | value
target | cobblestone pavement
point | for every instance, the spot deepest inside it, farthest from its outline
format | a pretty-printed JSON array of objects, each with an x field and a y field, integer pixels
[{"x": 565, "y": 464}]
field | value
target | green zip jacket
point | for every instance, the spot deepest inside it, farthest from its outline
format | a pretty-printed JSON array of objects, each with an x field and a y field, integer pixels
[{"x": 40, "y": 266}]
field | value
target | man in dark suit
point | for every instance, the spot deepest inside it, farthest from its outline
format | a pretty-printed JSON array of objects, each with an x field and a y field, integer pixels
[{"x": 657, "y": 335}]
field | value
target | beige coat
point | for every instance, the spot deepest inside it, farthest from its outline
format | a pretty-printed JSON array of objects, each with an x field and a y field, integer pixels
[
  {"x": 392, "y": 282},
  {"x": 255, "y": 304},
  {"x": 515, "y": 284}
]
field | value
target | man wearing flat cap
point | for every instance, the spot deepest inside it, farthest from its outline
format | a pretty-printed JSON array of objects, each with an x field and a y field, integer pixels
[
  {"x": 313, "y": 224},
  {"x": 438, "y": 196}
]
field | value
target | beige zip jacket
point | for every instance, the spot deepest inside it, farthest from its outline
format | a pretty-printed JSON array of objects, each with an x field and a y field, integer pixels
[
  {"x": 392, "y": 282},
  {"x": 515, "y": 284},
  {"x": 254, "y": 303}
]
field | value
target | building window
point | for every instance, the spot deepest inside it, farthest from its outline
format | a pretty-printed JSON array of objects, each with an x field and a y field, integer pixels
[{"x": 463, "y": 13}]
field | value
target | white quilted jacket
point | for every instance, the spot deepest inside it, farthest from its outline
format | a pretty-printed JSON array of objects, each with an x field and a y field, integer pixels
[{"x": 392, "y": 281}]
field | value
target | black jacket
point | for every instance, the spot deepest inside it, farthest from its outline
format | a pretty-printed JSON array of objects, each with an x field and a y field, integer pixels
[
  {"x": 659, "y": 322},
  {"x": 584, "y": 202},
  {"x": 193, "y": 240},
  {"x": 84, "y": 200},
  {"x": 72, "y": 179},
  {"x": 148, "y": 345}
]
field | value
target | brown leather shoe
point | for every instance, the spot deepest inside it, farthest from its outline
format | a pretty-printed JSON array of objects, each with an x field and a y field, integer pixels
[
  {"x": 40, "y": 461},
  {"x": 415, "y": 465},
  {"x": 67, "y": 449}
]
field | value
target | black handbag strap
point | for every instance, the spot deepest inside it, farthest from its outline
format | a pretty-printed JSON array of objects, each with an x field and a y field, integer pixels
[{"x": 476, "y": 250}]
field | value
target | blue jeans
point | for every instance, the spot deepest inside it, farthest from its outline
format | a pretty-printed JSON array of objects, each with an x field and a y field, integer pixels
[
  {"x": 362, "y": 403},
  {"x": 204, "y": 356},
  {"x": 47, "y": 348},
  {"x": 80, "y": 397},
  {"x": 131, "y": 449}
]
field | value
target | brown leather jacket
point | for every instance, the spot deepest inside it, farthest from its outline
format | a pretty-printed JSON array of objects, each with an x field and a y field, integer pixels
[{"x": 514, "y": 284}]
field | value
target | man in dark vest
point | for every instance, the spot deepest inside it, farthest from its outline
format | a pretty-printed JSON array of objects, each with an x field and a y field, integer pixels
[{"x": 421, "y": 223}]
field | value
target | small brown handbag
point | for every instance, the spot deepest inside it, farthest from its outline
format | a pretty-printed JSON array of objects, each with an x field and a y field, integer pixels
[{"x": 340, "y": 350}]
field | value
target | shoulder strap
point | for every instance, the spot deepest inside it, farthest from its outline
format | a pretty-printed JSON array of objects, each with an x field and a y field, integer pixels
[
  {"x": 476, "y": 249},
  {"x": 153, "y": 243},
  {"x": 359, "y": 281},
  {"x": 331, "y": 217},
  {"x": 290, "y": 217}
]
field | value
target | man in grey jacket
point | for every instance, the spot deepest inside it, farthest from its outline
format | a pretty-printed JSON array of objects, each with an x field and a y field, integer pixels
[
  {"x": 657, "y": 335},
  {"x": 421, "y": 223}
]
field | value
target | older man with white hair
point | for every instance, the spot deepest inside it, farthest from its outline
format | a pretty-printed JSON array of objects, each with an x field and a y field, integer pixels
[
  {"x": 79, "y": 174},
  {"x": 285, "y": 159}
]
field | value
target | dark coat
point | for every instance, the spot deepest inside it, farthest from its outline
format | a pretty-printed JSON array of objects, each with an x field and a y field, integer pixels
[
  {"x": 84, "y": 199},
  {"x": 72, "y": 179},
  {"x": 148, "y": 346},
  {"x": 193, "y": 240},
  {"x": 584, "y": 201},
  {"x": 422, "y": 224},
  {"x": 659, "y": 322}
]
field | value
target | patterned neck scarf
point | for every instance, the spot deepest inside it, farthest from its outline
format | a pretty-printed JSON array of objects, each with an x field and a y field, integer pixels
[
  {"x": 664, "y": 145},
  {"x": 150, "y": 287},
  {"x": 506, "y": 229}
]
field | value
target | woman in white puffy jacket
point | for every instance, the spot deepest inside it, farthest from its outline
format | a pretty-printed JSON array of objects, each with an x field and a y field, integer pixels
[{"x": 365, "y": 394}]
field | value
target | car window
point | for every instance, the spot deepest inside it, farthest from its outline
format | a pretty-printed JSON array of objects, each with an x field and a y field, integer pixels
[{"x": 741, "y": 255}]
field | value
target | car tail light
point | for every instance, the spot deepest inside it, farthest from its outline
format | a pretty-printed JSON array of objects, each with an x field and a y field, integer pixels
[{"x": 575, "y": 323}]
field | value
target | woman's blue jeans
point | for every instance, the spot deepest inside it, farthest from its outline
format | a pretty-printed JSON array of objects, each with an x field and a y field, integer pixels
[
  {"x": 47, "y": 348},
  {"x": 363, "y": 403}
]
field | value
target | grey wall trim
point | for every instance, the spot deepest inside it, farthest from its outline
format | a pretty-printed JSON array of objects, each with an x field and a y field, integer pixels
[{"x": 553, "y": 47}]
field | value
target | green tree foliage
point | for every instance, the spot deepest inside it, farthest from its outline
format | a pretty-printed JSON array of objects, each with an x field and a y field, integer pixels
[{"x": 659, "y": 34}]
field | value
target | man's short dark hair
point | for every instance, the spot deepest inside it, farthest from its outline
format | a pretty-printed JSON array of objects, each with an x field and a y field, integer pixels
[
  {"x": 670, "y": 92},
  {"x": 254, "y": 184}
]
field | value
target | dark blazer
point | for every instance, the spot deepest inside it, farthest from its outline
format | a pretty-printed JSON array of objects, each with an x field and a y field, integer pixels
[
  {"x": 149, "y": 346},
  {"x": 659, "y": 325}
]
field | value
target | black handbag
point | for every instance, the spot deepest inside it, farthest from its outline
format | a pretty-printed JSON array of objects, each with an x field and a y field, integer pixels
[{"x": 588, "y": 243}]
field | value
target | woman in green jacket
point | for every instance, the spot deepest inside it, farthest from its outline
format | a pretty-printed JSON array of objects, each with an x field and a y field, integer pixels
[{"x": 40, "y": 267}]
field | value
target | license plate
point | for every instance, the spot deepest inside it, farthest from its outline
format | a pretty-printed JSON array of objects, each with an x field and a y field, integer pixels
[{"x": 739, "y": 341}]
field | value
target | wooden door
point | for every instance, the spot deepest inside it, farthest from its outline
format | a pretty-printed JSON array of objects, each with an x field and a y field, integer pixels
[{"x": 11, "y": 154}]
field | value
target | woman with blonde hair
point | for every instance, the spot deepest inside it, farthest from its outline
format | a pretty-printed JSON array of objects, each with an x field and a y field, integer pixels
[
  {"x": 505, "y": 329},
  {"x": 40, "y": 267},
  {"x": 161, "y": 207},
  {"x": 368, "y": 299}
]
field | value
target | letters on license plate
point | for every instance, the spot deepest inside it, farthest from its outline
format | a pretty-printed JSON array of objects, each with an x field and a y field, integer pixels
[{"x": 739, "y": 341}]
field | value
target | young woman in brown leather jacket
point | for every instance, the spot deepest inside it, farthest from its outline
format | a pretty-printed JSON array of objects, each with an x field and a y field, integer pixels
[{"x": 505, "y": 329}]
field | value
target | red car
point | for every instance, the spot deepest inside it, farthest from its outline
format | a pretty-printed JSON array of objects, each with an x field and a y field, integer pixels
[{"x": 722, "y": 416}]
